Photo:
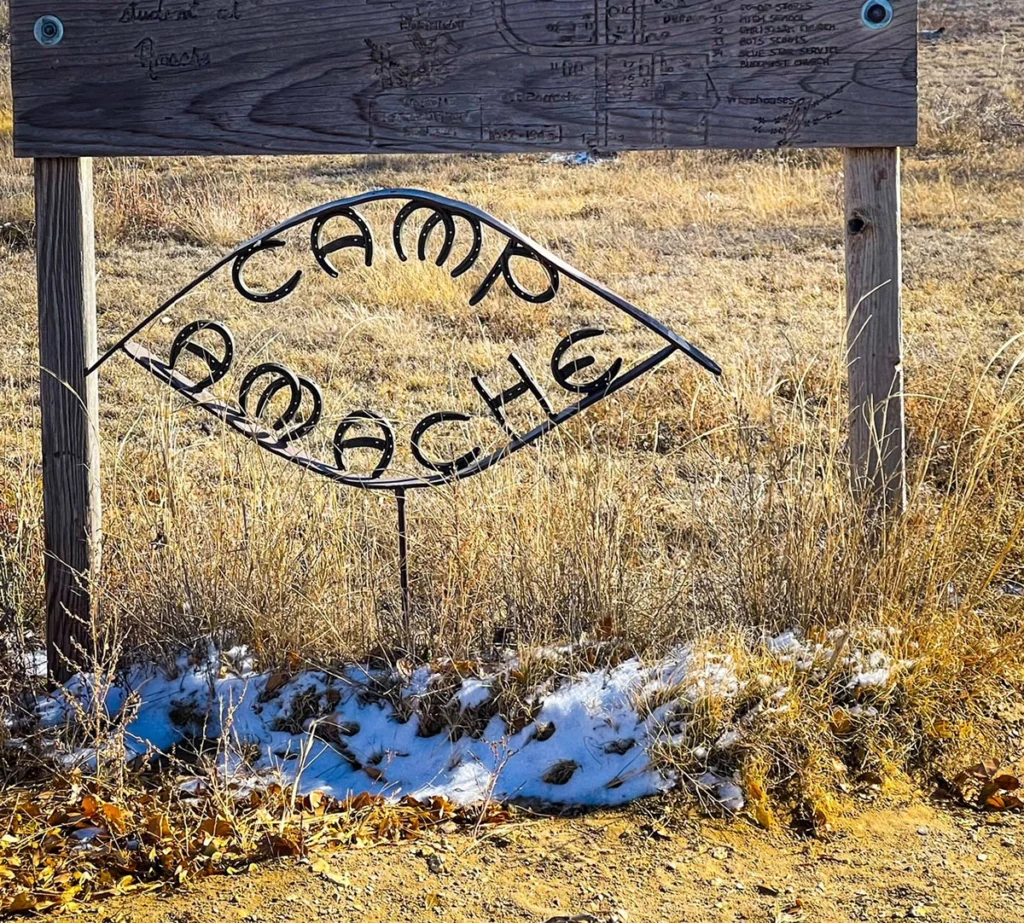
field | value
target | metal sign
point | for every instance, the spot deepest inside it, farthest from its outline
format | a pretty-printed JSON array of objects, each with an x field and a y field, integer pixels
[
  {"x": 279, "y": 408},
  {"x": 153, "y": 77}
]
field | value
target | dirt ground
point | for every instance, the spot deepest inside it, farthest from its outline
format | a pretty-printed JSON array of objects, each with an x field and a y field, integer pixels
[{"x": 913, "y": 861}]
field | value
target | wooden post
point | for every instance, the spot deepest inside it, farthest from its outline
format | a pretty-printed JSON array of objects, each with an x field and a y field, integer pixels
[
  {"x": 66, "y": 278},
  {"x": 875, "y": 325}
]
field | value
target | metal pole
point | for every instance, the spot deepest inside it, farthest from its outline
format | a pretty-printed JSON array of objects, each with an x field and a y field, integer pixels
[{"x": 403, "y": 565}]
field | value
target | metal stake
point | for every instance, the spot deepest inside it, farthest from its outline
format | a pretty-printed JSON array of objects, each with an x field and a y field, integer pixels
[{"x": 403, "y": 564}]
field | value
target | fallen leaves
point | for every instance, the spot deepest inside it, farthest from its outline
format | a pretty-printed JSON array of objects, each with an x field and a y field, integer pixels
[
  {"x": 274, "y": 683},
  {"x": 982, "y": 786},
  {"x": 75, "y": 842},
  {"x": 323, "y": 868},
  {"x": 758, "y": 804},
  {"x": 561, "y": 772}
]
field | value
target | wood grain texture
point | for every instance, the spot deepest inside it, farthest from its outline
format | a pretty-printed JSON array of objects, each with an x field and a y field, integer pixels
[
  {"x": 875, "y": 324},
  {"x": 173, "y": 77},
  {"x": 66, "y": 278}
]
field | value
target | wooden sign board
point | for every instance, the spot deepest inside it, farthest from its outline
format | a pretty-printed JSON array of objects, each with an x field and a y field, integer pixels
[{"x": 169, "y": 77}]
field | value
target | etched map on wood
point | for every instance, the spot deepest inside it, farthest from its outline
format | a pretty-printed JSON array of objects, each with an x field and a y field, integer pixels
[{"x": 319, "y": 76}]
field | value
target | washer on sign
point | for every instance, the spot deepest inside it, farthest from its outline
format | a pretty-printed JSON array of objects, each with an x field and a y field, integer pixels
[{"x": 876, "y": 14}]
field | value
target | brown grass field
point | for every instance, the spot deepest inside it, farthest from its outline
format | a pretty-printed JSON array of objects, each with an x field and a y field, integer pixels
[{"x": 682, "y": 510}]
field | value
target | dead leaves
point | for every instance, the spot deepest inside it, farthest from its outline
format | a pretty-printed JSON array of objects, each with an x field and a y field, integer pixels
[
  {"x": 997, "y": 794},
  {"x": 561, "y": 772},
  {"x": 982, "y": 786},
  {"x": 65, "y": 846},
  {"x": 274, "y": 683},
  {"x": 758, "y": 804}
]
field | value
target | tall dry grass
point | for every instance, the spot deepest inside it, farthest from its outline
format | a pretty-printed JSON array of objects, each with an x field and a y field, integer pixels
[{"x": 744, "y": 530}]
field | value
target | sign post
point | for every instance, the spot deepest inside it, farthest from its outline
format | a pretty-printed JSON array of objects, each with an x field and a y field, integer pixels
[
  {"x": 194, "y": 77},
  {"x": 66, "y": 281},
  {"x": 874, "y": 324}
]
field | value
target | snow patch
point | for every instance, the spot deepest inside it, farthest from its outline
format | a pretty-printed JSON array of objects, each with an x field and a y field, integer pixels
[{"x": 372, "y": 729}]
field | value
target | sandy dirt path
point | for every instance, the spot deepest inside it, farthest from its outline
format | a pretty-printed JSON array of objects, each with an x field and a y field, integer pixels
[{"x": 915, "y": 861}]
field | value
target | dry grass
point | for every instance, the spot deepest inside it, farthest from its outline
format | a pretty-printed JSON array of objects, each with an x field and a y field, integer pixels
[{"x": 683, "y": 510}]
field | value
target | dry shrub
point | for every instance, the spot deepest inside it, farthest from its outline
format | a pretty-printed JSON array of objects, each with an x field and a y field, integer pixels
[
  {"x": 20, "y": 596},
  {"x": 937, "y": 591}
]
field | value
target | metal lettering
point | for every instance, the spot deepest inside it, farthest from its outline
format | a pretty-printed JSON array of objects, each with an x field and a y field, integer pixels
[
  {"x": 498, "y": 402},
  {"x": 385, "y": 443},
  {"x": 446, "y": 468},
  {"x": 563, "y": 373}
]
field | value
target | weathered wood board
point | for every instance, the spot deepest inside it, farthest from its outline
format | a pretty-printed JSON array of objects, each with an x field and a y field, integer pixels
[{"x": 317, "y": 76}]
